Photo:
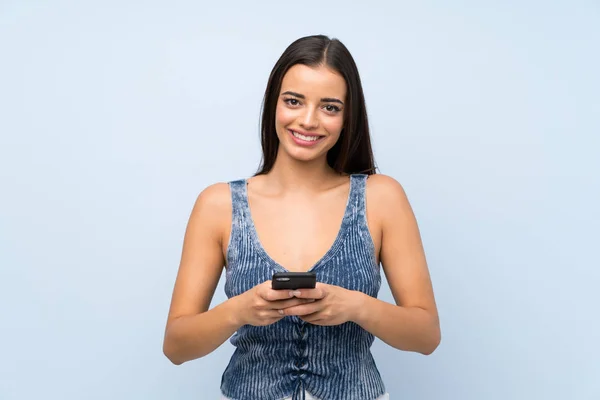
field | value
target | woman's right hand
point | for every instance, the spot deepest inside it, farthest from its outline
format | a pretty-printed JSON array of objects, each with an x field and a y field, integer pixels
[{"x": 261, "y": 305}]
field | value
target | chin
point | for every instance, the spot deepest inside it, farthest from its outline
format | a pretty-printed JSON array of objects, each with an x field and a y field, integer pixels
[{"x": 303, "y": 155}]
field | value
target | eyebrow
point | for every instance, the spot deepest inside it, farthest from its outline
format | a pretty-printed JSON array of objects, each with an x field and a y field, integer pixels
[{"x": 324, "y": 100}]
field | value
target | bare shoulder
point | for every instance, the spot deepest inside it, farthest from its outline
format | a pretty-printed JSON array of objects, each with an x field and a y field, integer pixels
[
  {"x": 216, "y": 196},
  {"x": 385, "y": 194},
  {"x": 213, "y": 208}
]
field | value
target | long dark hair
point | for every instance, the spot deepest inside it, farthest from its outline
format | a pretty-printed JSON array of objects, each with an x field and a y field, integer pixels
[{"x": 353, "y": 152}]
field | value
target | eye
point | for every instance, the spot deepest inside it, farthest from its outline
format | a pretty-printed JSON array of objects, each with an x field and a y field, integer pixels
[
  {"x": 330, "y": 108},
  {"x": 292, "y": 102}
]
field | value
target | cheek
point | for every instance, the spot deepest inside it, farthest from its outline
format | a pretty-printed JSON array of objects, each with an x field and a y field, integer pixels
[
  {"x": 334, "y": 125},
  {"x": 283, "y": 115}
]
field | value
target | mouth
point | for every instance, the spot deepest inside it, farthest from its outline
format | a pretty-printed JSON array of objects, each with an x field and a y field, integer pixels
[{"x": 305, "y": 139}]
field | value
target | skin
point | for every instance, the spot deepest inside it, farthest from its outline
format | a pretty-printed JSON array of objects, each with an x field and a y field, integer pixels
[{"x": 303, "y": 192}]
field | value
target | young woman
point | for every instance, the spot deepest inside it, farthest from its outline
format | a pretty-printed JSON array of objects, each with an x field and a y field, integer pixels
[{"x": 315, "y": 205}]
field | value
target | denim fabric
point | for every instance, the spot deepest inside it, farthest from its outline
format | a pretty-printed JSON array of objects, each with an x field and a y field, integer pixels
[
  {"x": 292, "y": 357},
  {"x": 309, "y": 397}
]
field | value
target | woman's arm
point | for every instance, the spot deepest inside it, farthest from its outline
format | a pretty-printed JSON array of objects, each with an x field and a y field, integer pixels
[
  {"x": 412, "y": 324},
  {"x": 409, "y": 328},
  {"x": 192, "y": 331}
]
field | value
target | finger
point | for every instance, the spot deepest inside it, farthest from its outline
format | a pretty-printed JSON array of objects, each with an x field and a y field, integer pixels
[
  {"x": 317, "y": 293},
  {"x": 274, "y": 295},
  {"x": 302, "y": 309},
  {"x": 281, "y": 304},
  {"x": 272, "y": 315}
]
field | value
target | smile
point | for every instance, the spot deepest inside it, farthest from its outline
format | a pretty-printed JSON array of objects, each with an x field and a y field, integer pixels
[{"x": 304, "y": 139}]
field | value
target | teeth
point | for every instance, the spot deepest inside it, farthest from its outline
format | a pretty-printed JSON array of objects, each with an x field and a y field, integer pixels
[{"x": 306, "y": 138}]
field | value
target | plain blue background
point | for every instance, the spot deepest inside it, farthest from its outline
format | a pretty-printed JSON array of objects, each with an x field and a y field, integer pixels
[{"x": 114, "y": 115}]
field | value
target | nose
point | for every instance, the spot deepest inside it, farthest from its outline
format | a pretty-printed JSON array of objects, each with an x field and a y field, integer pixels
[{"x": 310, "y": 119}]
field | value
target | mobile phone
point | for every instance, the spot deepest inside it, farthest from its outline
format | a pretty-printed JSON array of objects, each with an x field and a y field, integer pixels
[{"x": 294, "y": 280}]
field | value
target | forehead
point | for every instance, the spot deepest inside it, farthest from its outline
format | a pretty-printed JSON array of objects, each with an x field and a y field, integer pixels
[{"x": 315, "y": 82}]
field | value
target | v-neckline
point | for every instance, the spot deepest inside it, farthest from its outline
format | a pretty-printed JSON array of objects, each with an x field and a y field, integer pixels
[{"x": 339, "y": 239}]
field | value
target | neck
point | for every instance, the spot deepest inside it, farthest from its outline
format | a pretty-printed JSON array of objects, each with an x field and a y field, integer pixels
[{"x": 290, "y": 174}]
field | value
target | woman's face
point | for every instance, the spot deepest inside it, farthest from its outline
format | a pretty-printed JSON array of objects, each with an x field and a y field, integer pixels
[{"x": 310, "y": 111}]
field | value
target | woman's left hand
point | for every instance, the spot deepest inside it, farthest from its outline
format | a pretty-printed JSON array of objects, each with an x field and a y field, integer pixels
[{"x": 332, "y": 305}]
